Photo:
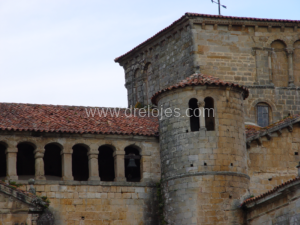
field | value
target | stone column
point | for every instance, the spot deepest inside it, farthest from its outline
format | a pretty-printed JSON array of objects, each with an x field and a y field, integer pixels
[
  {"x": 290, "y": 52},
  {"x": 11, "y": 163},
  {"x": 270, "y": 52},
  {"x": 66, "y": 159},
  {"x": 39, "y": 164},
  {"x": 119, "y": 166},
  {"x": 201, "y": 105},
  {"x": 93, "y": 165}
]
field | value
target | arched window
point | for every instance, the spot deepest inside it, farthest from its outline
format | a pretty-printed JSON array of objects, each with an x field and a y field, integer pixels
[
  {"x": 279, "y": 64},
  {"x": 194, "y": 114},
  {"x": 25, "y": 161},
  {"x": 296, "y": 63},
  {"x": 132, "y": 164},
  {"x": 106, "y": 163},
  {"x": 209, "y": 114},
  {"x": 2, "y": 161},
  {"x": 80, "y": 165},
  {"x": 263, "y": 114},
  {"x": 52, "y": 162}
]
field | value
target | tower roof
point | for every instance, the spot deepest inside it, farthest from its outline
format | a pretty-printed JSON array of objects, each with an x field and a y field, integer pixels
[
  {"x": 200, "y": 80},
  {"x": 224, "y": 19}
]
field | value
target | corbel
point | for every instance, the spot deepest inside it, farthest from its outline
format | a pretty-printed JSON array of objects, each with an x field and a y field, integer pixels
[
  {"x": 290, "y": 128},
  {"x": 269, "y": 29},
  {"x": 259, "y": 141},
  {"x": 248, "y": 144},
  {"x": 268, "y": 135},
  {"x": 279, "y": 132}
]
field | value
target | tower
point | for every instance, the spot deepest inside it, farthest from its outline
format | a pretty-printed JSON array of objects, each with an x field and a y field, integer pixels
[{"x": 203, "y": 158}]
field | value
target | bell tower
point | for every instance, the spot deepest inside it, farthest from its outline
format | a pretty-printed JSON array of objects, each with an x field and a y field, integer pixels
[{"x": 203, "y": 151}]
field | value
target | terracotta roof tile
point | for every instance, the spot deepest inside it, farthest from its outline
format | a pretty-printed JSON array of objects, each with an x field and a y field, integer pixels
[
  {"x": 199, "y": 79},
  {"x": 270, "y": 191},
  {"x": 188, "y": 15},
  {"x": 254, "y": 130},
  {"x": 73, "y": 119}
]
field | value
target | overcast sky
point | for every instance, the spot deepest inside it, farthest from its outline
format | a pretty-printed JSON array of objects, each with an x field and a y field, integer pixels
[{"x": 62, "y": 52}]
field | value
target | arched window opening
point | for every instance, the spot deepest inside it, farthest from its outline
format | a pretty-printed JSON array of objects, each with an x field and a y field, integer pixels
[
  {"x": 25, "y": 161},
  {"x": 263, "y": 114},
  {"x": 194, "y": 114},
  {"x": 279, "y": 64},
  {"x": 106, "y": 163},
  {"x": 80, "y": 164},
  {"x": 2, "y": 161},
  {"x": 148, "y": 78},
  {"x": 132, "y": 164},
  {"x": 296, "y": 63},
  {"x": 209, "y": 114},
  {"x": 52, "y": 162}
]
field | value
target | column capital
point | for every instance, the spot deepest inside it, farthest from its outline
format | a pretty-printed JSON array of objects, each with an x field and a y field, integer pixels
[
  {"x": 201, "y": 104},
  {"x": 11, "y": 150},
  {"x": 290, "y": 50},
  {"x": 39, "y": 153},
  {"x": 117, "y": 153}
]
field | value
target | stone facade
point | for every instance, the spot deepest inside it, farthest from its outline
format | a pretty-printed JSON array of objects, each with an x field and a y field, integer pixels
[
  {"x": 204, "y": 172},
  {"x": 279, "y": 208},
  {"x": 274, "y": 160},
  {"x": 263, "y": 55}
]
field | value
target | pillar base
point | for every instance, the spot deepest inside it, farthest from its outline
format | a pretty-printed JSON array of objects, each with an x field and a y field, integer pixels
[
  {"x": 122, "y": 179},
  {"x": 12, "y": 178},
  {"x": 94, "y": 179},
  {"x": 40, "y": 178},
  {"x": 67, "y": 178}
]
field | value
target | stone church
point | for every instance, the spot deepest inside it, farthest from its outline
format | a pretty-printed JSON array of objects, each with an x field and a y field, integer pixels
[{"x": 231, "y": 157}]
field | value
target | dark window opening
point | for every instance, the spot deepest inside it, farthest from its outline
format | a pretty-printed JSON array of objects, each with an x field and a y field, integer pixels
[
  {"x": 25, "y": 161},
  {"x": 2, "y": 161},
  {"x": 205, "y": 164},
  {"x": 52, "y": 162},
  {"x": 262, "y": 115},
  {"x": 80, "y": 165},
  {"x": 209, "y": 114},
  {"x": 296, "y": 153},
  {"x": 106, "y": 163},
  {"x": 194, "y": 114},
  {"x": 132, "y": 164}
]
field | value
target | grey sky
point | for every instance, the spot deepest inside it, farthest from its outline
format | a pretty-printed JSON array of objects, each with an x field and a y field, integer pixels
[{"x": 62, "y": 51}]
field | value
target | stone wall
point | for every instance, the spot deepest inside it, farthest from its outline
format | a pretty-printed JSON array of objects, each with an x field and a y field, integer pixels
[
  {"x": 204, "y": 172},
  {"x": 80, "y": 203},
  {"x": 159, "y": 65},
  {"x": 261, "y": 55},
  {"x": 274, "y": 161},
  {"x": 279, "y": 208}
]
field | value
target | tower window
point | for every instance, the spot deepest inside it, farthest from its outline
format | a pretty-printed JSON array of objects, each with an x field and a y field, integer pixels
[
  {"x": 194, "y": 115},
  {"x": 209, "y": 114},
  {"x": 263, "y": 112}
]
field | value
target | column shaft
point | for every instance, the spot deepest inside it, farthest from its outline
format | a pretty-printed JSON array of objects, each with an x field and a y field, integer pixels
[
  {"x": 67, "y": 166},
  {"x": 11, "y": 164},
  {"x": 93, "y": 167},
  {"x": 119, "y": 166},
  {"x": 39, "y": 164}
]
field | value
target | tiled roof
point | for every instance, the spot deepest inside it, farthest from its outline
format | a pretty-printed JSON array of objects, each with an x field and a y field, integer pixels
[
  {"x": 199, "y": 79},
  {"x": 271, "y": 191},
  {"x": 189, "y": 15},
  {"x": 252, "y": 131},
  {"x": 73, "y": 119}
]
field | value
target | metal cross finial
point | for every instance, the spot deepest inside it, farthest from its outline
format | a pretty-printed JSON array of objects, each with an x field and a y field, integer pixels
[{"x": 219, "y": 3}]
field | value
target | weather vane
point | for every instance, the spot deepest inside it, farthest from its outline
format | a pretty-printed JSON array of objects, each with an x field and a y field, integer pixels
[{"x": 219, "y": 3}]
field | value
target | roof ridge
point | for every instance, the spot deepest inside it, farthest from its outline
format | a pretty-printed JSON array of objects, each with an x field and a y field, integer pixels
[{"x": 199, "y": 79}]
